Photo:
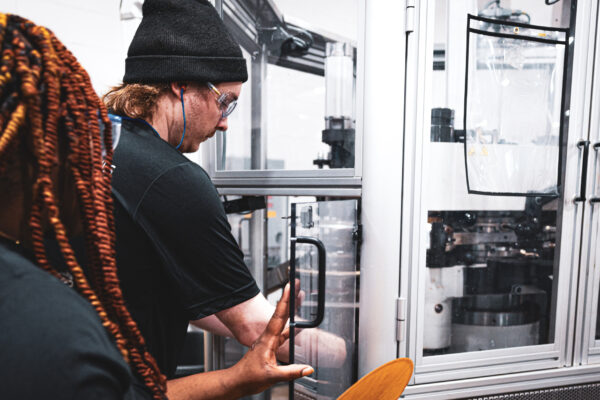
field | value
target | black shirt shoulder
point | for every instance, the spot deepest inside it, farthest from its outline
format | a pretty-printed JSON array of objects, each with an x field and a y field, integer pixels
[
  {"x": 52, "y": 340},
  {"x": 175, "y": 203},
  {"x": 140, "y": 158}
]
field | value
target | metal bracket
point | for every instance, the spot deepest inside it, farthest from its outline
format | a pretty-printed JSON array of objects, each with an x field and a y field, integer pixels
[
  {"x": 246, "y": 203},
  {"x": 306, "y": 217},
  {"x": 400, "y": 319}
]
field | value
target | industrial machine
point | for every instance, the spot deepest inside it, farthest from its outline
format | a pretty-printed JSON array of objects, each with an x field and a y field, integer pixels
[
  {"x": 466, "y": 154},
  {"x": 489, "y": 272},
  {"x": 429, "y": 170}
]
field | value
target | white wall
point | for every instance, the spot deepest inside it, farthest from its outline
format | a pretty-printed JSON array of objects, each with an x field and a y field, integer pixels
[{"x": 91, "y": 29}]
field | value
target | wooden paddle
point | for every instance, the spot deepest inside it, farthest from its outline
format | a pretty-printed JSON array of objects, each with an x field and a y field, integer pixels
[{"x": 383, "y": 383}]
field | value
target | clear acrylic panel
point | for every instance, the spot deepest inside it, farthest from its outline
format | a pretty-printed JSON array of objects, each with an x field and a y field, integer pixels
[
  {"x": 234, "y": 145},
  {"x": 297, "y": 110},
  {"x": 490, "y": 265},
  {"x": 334, "y": 223},
  {"x": 295, "y": 104}
]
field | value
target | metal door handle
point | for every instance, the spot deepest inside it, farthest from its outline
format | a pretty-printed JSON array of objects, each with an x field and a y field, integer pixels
[
  {"x": 320, "y": 299},
  {"x": 321, "y": 282},
  {"x": 595, "y": 200},
  {"x": 582, "y": 187}
]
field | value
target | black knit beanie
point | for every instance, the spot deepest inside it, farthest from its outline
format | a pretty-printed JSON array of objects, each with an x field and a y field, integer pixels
[{"x": 183, "y": 40}]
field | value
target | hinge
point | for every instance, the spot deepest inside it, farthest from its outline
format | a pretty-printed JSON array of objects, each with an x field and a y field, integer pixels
[
  {"x": 400, "y": 319},
  {"x": 410, "y": 16},
  {"x": 357, "y": 234}
]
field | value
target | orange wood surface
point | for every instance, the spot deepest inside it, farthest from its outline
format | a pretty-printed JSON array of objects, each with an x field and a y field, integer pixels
[{"x": 383, "y": 383}]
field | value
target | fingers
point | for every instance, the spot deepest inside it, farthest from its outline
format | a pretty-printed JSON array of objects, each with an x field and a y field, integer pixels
[
  {"x": 278, "y": 320},
  {"x": 294, "y": 371},
  {"x": 285, "y": 335}
]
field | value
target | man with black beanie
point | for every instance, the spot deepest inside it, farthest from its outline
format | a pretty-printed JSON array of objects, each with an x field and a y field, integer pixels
[{"x": 177, "y": 259}]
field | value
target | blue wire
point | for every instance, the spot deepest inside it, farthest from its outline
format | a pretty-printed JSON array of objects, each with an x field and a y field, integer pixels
[
  {"x": 141, "y": 120},
  {"x": 183, "y": 110}
]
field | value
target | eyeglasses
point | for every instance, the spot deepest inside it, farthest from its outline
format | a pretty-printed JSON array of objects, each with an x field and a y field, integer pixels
[{"x": 227, "y": 100}]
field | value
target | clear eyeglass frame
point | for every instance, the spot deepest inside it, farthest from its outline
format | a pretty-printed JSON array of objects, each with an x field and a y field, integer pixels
[{"x": 227, "y": 101}]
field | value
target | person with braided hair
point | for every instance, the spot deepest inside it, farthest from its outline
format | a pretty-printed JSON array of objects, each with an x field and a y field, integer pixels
[
  {"x": 66, "y": 331},
  {"x": 50, "y": 158}
]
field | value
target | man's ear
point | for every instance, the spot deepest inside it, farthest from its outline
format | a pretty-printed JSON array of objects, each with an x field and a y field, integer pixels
[{"x": 176, "y": 88}]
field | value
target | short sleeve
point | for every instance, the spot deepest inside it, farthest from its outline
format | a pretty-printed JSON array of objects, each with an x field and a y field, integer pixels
[
  {"x": 54, "y": 345},
  {"x": 184, "y": 218}
]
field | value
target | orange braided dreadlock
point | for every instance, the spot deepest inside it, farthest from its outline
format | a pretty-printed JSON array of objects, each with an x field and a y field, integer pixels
[{"x": 45, "y": 95}]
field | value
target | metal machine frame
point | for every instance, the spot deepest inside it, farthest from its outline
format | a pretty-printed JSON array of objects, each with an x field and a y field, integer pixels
[
  {"x": 587, "y": 347},
  {"x": 345, "y": 182}
]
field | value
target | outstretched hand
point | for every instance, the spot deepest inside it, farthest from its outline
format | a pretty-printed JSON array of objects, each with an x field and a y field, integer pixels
[{"x": 258, "y": 369}]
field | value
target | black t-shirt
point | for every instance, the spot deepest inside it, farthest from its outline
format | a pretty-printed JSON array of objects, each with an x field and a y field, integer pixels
[
  {"x": 176, "y": 257},
  {"x": 52, "y": 343}
]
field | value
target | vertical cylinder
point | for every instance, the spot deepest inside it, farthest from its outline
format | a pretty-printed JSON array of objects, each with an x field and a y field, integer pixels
[{"x": 339, "y": 81}]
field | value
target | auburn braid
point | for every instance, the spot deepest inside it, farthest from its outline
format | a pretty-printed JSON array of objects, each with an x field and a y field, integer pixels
[
  {"x": 105, "y": 230},
  {"x": 46, "y": 97}
]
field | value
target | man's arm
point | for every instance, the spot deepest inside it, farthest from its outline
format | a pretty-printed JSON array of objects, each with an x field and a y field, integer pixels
[
  {"x": 247, "y": 320},
  {"x": 254, "y": 373},
  {"x": 212, "y": 324},
  {"x": 249, "y": 317}
]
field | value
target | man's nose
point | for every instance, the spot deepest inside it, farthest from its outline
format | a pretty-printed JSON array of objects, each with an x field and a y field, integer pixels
[{"x": 222, "y": 125}]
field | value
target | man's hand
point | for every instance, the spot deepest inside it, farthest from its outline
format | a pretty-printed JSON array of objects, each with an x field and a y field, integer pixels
[
  {"x": 254, "y": 373},
  {"x": 258, "y": 369}
]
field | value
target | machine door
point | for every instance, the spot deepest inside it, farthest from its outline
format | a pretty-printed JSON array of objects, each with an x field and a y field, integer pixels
[
  {"x": 323, "y": 257},
  {"x": 589, "y": 312},
  {"x": 490, "y": 288},
  {"x": 589, "y": 299}
]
